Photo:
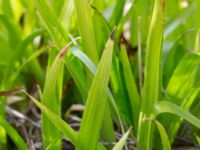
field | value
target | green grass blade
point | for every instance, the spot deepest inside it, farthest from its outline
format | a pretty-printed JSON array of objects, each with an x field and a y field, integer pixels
[
  {"x": 168, "y": 107},
  {"x": 56, "y": 120},
  {"x": 131, "y": 87},
  {"x": 96, "y": 101},
  {"x": 118, "y": 88},
  {"x": 122, "y": 141},
  {"x": 163, "y": 135},
  {"x": 66, "y": 14},
  {"x": 60, "y": 124},
  {"x": 162, "y": 132},
  {"x": 102, "y": 29},
  {"x": 84, "y": 16},
  {"x": 52, "y": 95},
  {"x": 60, "y": 37},
  {"x": 90, "y": 65},
  {"x": 152, "y": 77},
  {"x": 84, "y": 58},
  {"x": 117, "y": 12},
  {"x": 107, "y": 126},
  {"x": 186, "y": 104},
  {"x": 51, "y": 23},
  {"x": 16, "y": 138}
]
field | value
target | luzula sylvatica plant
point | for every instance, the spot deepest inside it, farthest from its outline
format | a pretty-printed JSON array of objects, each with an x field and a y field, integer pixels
[{"x": 131, "y": 66}]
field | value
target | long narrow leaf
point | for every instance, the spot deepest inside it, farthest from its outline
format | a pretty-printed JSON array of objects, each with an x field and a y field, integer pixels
[
  {"x": 152, "y": 77},
  {"x": 168, "y": 107},
  {"x": 95, "y": 106},
  {"x": 51, "y": 23},
  {"x": 52, "y": 98},
  {"x": 60, "y": 124},
  {"x": 56, "y": 120},
  {"x": 163, "y": 135},
  {"x": 175, "y": 122},
  {"x": 84, "y": 15},
  {"x": 131, "y": 86},
  {"x": 90, "y": 65}
]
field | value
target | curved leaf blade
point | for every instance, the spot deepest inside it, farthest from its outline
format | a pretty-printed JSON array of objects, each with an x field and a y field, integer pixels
[
  {"x": 183, "y": 78},
  {"x": 163, "y": 135},
  {"x": 168, "y": 107}
]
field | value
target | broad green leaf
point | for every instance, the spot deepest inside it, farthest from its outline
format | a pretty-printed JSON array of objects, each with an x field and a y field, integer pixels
[
  {"x": 122, "y": 141},
  {"x": 183, "y": 89},
  {"x": 96, "y": 102},
  {"x": 152, "y": 76},
  {"x": 131, "y": 87},
  {"x": 173, "y": 52},
  {"x": 16, "y": 138},
  {"x": 168, "y": 107},
  {"x": 183, "y": 78}
]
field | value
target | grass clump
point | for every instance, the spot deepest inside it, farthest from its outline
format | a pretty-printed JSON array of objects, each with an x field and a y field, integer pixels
[{"x": 96, "y": 75}]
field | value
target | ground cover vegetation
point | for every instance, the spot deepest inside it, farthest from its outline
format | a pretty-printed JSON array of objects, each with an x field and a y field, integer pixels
[{"x": 99, "y": 74}]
